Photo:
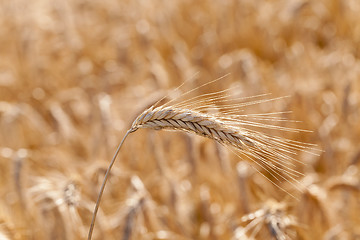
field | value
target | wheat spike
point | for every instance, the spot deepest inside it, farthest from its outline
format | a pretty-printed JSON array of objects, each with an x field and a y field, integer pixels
[
  {"x": 271, "y": 153},
  {"x": 191, "y": 121}
]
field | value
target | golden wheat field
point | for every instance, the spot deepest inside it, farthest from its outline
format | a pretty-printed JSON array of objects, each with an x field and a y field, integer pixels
[{"x": 74, "y": 74}]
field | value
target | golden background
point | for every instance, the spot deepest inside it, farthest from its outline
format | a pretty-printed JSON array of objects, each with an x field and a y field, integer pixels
[{"x": 74, "y": 75}]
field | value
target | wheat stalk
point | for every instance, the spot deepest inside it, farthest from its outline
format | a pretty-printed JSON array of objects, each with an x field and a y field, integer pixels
[{"x": 227, "y": 128}]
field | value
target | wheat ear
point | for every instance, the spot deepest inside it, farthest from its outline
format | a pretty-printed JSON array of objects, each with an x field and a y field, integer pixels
[
  {"x": 205, "y": 125},
  {"x": 266, "y": 151}
]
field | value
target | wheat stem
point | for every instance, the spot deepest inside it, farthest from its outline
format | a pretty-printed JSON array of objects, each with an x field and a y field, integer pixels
[{"x": 104, "y": 182}]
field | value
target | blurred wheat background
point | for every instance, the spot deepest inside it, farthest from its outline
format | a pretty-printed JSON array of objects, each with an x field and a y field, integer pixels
[{"x": 75, "y": 74}]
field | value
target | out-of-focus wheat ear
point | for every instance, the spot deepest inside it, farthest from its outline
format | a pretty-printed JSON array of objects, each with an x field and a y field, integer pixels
[
  {"x": 271, "y": 221},
  {"x": 205, "y": 202},
  {"x": 5, "y": 232},
  {"x": 18, "y": 161},
  {"x": 312, "y": 210},
  {"x": 242, "y": 170},
  {"x": 130, "y": 218}
]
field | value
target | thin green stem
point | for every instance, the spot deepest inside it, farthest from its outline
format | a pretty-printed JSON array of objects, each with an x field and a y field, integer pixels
[{"x": 103, "y": 184}]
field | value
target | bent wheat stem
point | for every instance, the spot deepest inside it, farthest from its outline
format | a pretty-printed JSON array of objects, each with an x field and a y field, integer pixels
[{"x": 103, "y": 185}]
